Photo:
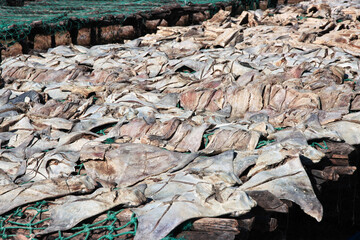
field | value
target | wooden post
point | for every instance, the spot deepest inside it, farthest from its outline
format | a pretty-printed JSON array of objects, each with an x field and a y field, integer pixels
[
  {"x": 92, "y": 36},
  {"x": 25, "y": 46},
  {"x": 1, "y": 48},
  {"x": 74, "y": 34},
  {"x": 98, "y": 35},
  {"x": 173, "y": 18},
  {"x": 31, "y": 40},
  {"x": 53, "y": 41}
]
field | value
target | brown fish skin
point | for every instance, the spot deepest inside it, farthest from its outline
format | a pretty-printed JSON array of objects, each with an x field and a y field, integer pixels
[
  {"x": 236, "y": 80},
  {"x": 135, "y": 129},
  {"x": 164, "y": 131},
  {"x": 190, "y": 100},
  {"x": 192, "y": 141},
  {"x": 216, "y": 102},
  {"x": 183, "y": 129},
  {"x": 65, "y": 212},
  {"x": 224, "y": 140},
  {"x": 49, "y": 188},
  {"x": 141, "y": 160}
]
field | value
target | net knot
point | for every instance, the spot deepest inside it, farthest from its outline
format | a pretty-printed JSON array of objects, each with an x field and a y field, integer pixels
[
  {"x": 109, "y": 236},
  {"x": 86, "y": 228},
  {"x": 111, "y": 228},
  {"x": 3, "y": 236},
  {"x": 111, "y": 216}
]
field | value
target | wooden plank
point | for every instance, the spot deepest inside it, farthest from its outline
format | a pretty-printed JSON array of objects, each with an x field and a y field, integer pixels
[
  {"x": 217, "y": 224},
  {"x": 340, "y": 170},
  {"x": 338, "y": 149},
  {"x": 339, "y": 162},
  {"x": 268, "y": 201},
  {"x": 340, "y": 156},
  {"x": 201, "y": 235},
  {"x": 332, "y": 173}
]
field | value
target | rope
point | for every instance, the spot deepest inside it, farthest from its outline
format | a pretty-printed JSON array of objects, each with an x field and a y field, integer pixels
[
  {"x": 80, "y": 166},
  {"x": 263, "y": 143},
  {"x": 314, "y": 144},
  {"x": 109, "y": 141},
  {"x": 206, "y": 138}
]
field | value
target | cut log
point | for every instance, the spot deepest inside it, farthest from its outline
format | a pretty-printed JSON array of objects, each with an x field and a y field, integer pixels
[
  {"x": 216, "y": 224},
  {"x": 202, "y": 235},
  {"x": 339, "y": 162},
  {"x": 340, "y": 156},
  {"x": 332, "y": 173},
  {"x": 268, "y": 201},
  {"x": 338, "y": 150}
]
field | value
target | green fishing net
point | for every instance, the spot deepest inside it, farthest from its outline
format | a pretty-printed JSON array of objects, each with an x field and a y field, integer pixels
[
  {"x": 28, "y": 220},
  {"x": 55, "y": 16}
]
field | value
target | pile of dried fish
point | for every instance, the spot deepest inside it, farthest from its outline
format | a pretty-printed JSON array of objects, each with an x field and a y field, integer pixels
[{"x": 190, "y": 122}]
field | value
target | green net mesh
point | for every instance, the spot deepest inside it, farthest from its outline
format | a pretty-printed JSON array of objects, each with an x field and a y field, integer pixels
[
  {"x": 15, "y": 22},
  {"x": 9, "y": 223},
  {"x": 30, "y": 219}
]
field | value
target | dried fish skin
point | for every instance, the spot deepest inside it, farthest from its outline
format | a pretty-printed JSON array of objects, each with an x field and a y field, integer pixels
[
  {"x": 55, "y": 123},
  {"x": 266, "y": 160},
  {"x": 49, "y": 188},
  {"x": 244, "y": 160},
  {"x": 219, "y": 17},
  {"x": 225, "y": 139},
  {"x": 185, "y": 111},
  {"x": 128, "y": 163},
  {"x": 5, "y": 179},
  {"x": 53, "y": 164},
  {"x": 167, "y": 185},
  {"x": 192, "y": 141},
  {"x": 348, "y": 131},
  {"x": 90, "y": 123},
  {"x": 288, "y": 181},
  {"x": 229, "y": 37},
  {"x": 158, "y": 218},
  {"x": 23, "y": 124},
  {"x": 12, "y": 169},
  {"x": 68, "y": 211},
  {"x": 219, "y": 168}
]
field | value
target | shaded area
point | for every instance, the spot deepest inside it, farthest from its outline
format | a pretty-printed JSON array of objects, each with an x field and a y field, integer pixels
[{"x": 57, "y": 16}]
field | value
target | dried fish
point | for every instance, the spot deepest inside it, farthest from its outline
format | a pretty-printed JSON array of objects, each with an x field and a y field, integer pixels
[
  {"x": 14, "y": 196},
  {"x": 214, "y": 118},
  {"x": 113, "y": 163},
  {"x": 288, "y": 181},
  {"x": 158, "y": 218},
  {"x": 68, "y": 211}
]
